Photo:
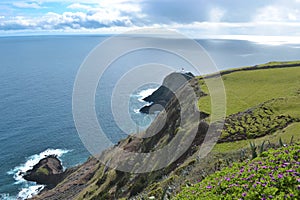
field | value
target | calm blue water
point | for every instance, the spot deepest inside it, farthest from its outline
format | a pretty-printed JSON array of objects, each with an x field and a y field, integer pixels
[{"x": 36, "y": 83}]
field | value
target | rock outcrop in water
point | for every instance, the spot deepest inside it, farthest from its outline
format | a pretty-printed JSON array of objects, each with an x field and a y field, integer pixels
[
  {"x": 49, "y": 171},
  {"x": 165, "y": 92}
]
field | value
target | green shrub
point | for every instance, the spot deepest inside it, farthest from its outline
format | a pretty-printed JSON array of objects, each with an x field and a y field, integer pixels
[
  {"x": 43, "y": 171},
  {"x": 253, "y": 150}
]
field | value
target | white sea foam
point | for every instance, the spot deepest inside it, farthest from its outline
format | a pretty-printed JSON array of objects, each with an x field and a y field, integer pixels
[
  {"x": 145, "y": 93},
  {"x": 29, "y": 192},
  {"x": 31, "y": 189},
  {"x": 136, "y": 110}
]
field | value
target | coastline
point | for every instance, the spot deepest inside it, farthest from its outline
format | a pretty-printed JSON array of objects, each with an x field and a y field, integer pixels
[{"x": 103, "y": 181}]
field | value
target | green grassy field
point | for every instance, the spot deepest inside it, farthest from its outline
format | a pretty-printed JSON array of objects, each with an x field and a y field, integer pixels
[
  {"x": 245, "y": 89},
  {"x": 259, "y": 102}
]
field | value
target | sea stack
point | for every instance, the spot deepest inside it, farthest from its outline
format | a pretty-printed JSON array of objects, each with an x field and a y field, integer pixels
[{"x": 48, "y": 171}]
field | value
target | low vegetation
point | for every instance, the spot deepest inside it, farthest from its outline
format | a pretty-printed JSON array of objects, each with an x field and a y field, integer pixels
[
  {"x": 273, "y": 175},
  {"x": 259, "y": 121},
  {"x": 42, "y": 171}
]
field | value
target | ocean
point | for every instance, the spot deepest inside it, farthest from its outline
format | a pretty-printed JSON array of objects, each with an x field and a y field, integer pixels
[{"x": 37, "y": 74}]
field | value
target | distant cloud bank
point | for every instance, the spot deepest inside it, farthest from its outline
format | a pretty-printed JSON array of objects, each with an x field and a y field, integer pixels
[{"x": 196, "y": 18}]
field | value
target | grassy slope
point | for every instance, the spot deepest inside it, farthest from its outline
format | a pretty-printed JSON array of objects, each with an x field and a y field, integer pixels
[{"x": 245, "y": 89}]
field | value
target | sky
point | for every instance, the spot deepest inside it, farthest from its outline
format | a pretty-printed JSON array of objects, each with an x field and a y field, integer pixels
[{"x": 196, "y": 18}]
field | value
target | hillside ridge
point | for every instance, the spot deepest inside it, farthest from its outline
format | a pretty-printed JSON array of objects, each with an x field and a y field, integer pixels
[{"x": 269, "y": 65}]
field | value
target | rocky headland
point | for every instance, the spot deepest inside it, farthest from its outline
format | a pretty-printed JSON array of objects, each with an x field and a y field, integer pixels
[{"x": 160, "y": 97}]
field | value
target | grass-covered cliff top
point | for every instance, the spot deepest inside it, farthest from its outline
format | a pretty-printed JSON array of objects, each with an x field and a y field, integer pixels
[{"x": 247, "y": 88}]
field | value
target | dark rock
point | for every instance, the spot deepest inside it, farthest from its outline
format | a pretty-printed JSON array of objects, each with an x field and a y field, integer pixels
[
  {"x": 48, "y": 171},
  {"x": 165, "y": 92}
]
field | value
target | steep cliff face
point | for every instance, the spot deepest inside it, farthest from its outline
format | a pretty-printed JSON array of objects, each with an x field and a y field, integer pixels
[{"x": 94, "y": 180}]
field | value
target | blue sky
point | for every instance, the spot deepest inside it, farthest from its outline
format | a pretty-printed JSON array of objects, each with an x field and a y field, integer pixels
[{"x": 196, "y": 18}]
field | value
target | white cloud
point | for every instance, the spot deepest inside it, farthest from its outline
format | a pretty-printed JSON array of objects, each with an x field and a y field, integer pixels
[
  {"x": 272, "y": 13},
  {"x": 216, "y": 14},
  {"x": 26, "y": 5},
  {"x": 91, "y": 15},
  {"x": 76, "y": 6},
  {"x": 274, "y": 18},
  {"x": 279, "y": 11},
  {"x": 118, "y": 10},
  {"x": 67, "y": 21}
]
